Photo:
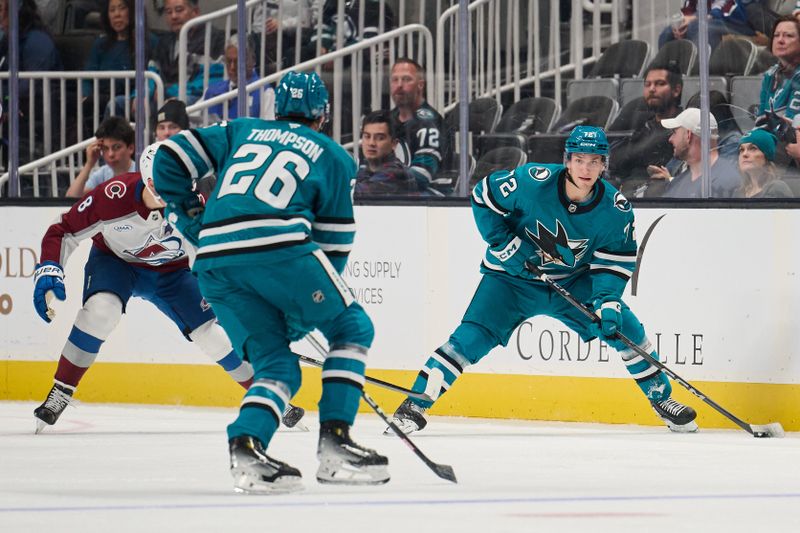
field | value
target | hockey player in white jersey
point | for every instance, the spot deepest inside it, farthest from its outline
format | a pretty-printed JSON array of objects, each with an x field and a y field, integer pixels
[{"x": 135, "y": 252}]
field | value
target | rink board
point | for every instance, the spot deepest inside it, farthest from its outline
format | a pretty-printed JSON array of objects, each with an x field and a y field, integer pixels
[{"x": 717, "y": 291}]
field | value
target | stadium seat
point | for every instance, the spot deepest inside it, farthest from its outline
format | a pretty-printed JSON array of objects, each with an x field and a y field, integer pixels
[
  {"x": 732, "y": 57},
  {"x": 506, "y": 157},
  {"x": 592, "y": 87},
  {"x": 484, "y": 115},
  {"x": 590, "y": 110},
  {"x": 524, "y": 118},
  {"x": 631, "y": 115},
  {"x": 625, "y": 59},
  {"x": 630, "y": 89},
  {"x": 745, "y": 94},
  {"x": 764, "y": 60},
  {"x": 691, "y": 85},
  {"x": 680, "y": 52},
  {"x": 75, "y": 47}
]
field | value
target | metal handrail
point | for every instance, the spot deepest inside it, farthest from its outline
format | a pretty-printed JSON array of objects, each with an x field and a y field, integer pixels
[
  {"x": 56, "y": 76},
  {"x": 425, "y": 35},
  {"x": 183, "y": 39}
]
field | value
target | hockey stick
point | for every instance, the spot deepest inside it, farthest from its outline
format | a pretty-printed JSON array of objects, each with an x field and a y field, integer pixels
[
  {"x": 443, "y": 471},
  {"x": 375, "y": 381},
  {"x": 773, "y": 429}
]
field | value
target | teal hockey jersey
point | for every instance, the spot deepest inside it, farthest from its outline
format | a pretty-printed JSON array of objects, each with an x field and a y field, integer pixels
[
  {"x": 596, "y": 237},
  {"x": 282, "y": 190}
]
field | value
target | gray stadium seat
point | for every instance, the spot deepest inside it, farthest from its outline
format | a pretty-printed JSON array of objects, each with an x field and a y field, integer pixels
[
  {"x": 681, "y": 52},
  {"x": 592, "y": 87},
  {"x": 691, "y": 85},
  {"x": 625, "y": 59},
  {"x": 506, "y": 157},
  {"x": 745, "y": 93},
  {"x": 732, "y": 57},
  {"x": 589, "y": 110},
  {"x": 526, "y": 117},
  {"x": 630, "y": 89}
]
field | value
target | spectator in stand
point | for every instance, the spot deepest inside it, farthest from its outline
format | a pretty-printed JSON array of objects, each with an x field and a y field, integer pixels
[
  {"x": 728, "y": 129},
  {"x": 115, "y": 144},
  {"x": 380, "y": 171},
  {"x": 326, "y": 35},
  {"x": 165, "y": 56},
  {"x": 37, "y": 52},
  {"x": 423, "y": 143},
  {"x": 171, "y": 119},
  {"x": 48, "y": 11},
  {"x": 725, "y": 17},
  {"x": 260, "y": 101},
  {"x": 649, "y": 143},
  {"x": 685, "y": 138},
  {"x": 296, "y": 16},
  {"x": 115, "y": 48},
  {"x": 780, "y": 87},
  {"x": 759, "y": 176},
  {"x": 164, "y": 61}
]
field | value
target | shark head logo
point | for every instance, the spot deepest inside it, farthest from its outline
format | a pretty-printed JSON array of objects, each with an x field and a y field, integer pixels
[{"x": 557, "y": 247}]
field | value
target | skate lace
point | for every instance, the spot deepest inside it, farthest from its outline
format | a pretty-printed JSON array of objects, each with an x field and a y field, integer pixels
[
  {"x": 672, "y": 407},
  {"x": 57, "y": 401}
]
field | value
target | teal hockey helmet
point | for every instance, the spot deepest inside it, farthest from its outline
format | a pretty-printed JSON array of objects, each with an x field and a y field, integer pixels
[
  {"x": 587, "y": 140},
  {"x": 301, "y": 94}
]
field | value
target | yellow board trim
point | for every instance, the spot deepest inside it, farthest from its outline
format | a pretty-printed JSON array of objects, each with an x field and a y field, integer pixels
[{"x": 557, "y": 398}]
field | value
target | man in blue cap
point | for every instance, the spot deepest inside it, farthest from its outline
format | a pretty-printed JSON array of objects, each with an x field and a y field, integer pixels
[
  {"x": 272, "y": 242},
  {"x": 577, "y": 228}
]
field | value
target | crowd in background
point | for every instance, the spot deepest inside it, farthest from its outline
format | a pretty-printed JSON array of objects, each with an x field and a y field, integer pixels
[{"x": 407, "y": 149}]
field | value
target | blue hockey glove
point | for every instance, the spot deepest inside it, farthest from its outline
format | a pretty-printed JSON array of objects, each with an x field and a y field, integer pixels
[
  {"x": 48, "y": 276},
  {"x": 513, "y": 254},
  {"x": 609, "y": 310}
]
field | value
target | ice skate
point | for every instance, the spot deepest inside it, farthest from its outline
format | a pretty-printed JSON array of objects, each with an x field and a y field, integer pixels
[
  {"x": 57, "y": 400},
  {"x": 409, "y": 417},
  {"x": 254, "y": 471},
  {"x": 343, "y": 462},
  {"x": 292, "y": 416},
  {"x": 678, "y": 417}
]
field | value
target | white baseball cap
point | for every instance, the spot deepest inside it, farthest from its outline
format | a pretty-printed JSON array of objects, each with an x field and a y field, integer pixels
[{"x": 690, "y": 119}]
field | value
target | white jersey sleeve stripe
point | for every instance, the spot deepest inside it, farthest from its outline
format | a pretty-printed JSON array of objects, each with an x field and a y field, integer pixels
[
  {"x": 613, "y": 257},
  {"x": 198, "y": 147},
  {"x": 184, "y": 157},
  {"x": 328, "y": 226}
]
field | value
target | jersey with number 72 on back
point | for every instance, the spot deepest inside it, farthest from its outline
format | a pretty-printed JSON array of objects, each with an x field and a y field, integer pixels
[{"x": 282, "y": 190}]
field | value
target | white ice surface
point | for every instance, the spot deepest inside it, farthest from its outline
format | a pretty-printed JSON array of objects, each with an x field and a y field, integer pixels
[{"x": 150, "y": 469}]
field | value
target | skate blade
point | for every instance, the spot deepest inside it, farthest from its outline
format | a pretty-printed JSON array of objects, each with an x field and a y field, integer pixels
[
  {"x": 40, "y": 425},
  {"x": 244, "y": 484},
  {"x": 406, "y": 427},
  {"x": 301, "y": 427},
  {"x": 691, "y": 427},
  {"x": 348, "y": 475}
]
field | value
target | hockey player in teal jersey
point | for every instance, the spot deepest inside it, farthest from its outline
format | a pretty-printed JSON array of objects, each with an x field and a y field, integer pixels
[
  {"x": 580, "y": 231},
  {"x": 272, "y": 241}
]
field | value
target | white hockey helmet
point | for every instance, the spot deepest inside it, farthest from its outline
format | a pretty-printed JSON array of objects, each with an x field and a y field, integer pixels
[{"x": 146, "y": 167}]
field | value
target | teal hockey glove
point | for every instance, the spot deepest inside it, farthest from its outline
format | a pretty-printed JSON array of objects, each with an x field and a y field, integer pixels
[
  {"x": 609, "y": 310},
  {"x": 48, "y": 277},
  {"x": 513, "y": 254}
]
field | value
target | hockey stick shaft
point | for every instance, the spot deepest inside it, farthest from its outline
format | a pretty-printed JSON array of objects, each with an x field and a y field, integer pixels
[
  {"x": 768, "y": 430},
  {"x": 375, "y": 381},
  {"x": 443, "y": 471}
]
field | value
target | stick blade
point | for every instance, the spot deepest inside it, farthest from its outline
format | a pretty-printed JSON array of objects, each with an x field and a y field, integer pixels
[
  {"x": 445, "y": 472},
  {"x": 773, "y": 430}
]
